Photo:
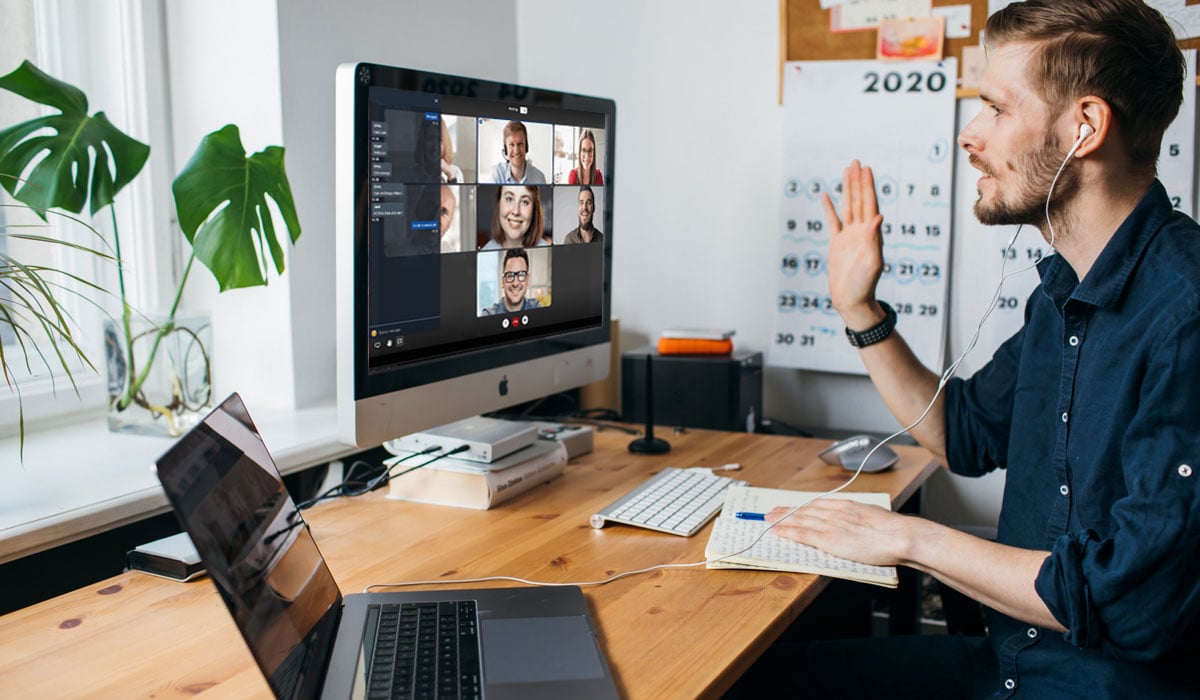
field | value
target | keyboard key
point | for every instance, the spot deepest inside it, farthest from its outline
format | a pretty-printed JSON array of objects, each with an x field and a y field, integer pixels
[
  {"x": 426, "y": 650},
  {"x": 676, "y": 501}
]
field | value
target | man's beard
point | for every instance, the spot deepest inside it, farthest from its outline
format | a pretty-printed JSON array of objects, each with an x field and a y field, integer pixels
[{"x": 1039, "y": 168}]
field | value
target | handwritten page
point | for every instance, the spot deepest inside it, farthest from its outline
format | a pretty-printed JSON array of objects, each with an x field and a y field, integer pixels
[{"x": 732, "y": 543}]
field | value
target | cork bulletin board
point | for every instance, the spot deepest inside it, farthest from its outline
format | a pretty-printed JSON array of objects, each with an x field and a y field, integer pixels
[{"x": 805, "y": 35}]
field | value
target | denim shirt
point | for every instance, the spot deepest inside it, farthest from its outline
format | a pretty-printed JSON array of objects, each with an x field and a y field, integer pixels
[{"x": 1093, "y": 407}]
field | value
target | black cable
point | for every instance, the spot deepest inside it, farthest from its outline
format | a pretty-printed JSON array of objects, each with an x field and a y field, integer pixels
[
  {"x": 576, "y": 418},
  {"x": 772, "y": 425},
  {"x": 456, "y": 450},
  {"x": 339, "y": 488},
  {"x": 360, "y": 487},
  {"x": 598, "y": 414}
]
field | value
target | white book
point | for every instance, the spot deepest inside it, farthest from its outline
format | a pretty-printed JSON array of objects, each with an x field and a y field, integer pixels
[{"x": 464, "y": 484}]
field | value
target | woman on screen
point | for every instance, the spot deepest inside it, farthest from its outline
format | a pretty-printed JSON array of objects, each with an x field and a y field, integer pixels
[
  {"x": 450, "y": 172},
  {"x": 586, "y": 173},
  {"x": 517, "y": 220}
]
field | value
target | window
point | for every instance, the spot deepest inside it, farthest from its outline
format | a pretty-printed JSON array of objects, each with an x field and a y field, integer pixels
[{"x": 113, "y": 51}]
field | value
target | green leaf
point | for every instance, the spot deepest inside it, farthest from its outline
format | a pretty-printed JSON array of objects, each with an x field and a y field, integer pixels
[
  {"x": 70, "y": 166},
  {"x": 221, "y": 198}
]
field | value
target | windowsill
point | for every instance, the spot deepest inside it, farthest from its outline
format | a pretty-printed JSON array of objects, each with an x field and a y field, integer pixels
[{"x": 53, "y": 498}]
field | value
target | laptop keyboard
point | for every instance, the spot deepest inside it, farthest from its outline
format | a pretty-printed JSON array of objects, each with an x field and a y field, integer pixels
[{"x": 426, "y": 650}]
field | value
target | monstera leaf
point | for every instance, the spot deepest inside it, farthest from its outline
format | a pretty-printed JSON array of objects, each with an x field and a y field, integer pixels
[
  {"x": 221, "y": 198},
  {"x": 71, "y": 164}
]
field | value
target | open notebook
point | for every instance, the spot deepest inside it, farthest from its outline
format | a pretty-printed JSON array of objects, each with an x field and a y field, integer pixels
[{"x": 730, "y": 536}]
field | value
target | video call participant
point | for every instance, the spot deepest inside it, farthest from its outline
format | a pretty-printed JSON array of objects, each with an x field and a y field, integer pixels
[
  {"x": 586, "y": 173},
  {"x": 515, "y": 168},
  {"x": 451, "y": 243},
  {"x": 514, "y": 283},
  {"x": 1093, "y": 584},
  {"x": 450, "y": 172},
  {"x": 517, "y": 220},
  {"x": 585, "y": 232}
]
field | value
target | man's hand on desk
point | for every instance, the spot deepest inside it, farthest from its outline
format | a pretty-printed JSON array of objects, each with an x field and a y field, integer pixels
[
  {"x": 999, "y": 576},
  {"x": 848, "y": 529}
]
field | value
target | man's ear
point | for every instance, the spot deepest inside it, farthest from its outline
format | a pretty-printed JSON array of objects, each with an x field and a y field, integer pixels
[{"x": 1095, "y": 113}]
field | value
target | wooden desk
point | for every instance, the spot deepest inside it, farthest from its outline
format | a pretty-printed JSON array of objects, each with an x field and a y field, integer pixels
[{"x": 677, "y": 633}]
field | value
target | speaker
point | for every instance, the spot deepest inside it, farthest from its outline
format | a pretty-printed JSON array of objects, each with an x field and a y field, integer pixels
[{"x": 721, "y": 392}]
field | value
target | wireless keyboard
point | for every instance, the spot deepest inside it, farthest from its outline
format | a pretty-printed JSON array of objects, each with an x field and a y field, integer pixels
[{"x": 675, "y": 501}]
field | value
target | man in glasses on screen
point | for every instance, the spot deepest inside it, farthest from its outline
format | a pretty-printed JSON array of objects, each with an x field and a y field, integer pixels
[{"x": 514, "y": 282}]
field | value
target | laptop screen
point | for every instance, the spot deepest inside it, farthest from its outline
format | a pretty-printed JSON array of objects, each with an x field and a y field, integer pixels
[{"x": 230, "y": 499}]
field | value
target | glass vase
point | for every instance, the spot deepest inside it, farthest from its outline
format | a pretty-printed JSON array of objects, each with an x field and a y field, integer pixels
[{"x": 159, "y": 374}]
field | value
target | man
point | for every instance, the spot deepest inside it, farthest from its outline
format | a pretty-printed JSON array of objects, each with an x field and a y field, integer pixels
[
  {"x": 514, "y": 283},
  {"x": 585, "y": 232},
  {"x": 451, "y": 241},
  {"x": 516, "y": 169},
  {"x": 1093, "y": 586}
]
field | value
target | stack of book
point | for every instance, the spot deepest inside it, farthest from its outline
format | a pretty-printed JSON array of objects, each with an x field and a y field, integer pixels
[
  {"x": 479, "y": 485},
  {"x": 695, "y": 341}
]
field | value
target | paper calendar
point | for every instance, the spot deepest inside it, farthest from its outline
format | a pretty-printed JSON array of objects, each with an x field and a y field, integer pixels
[{"x": 898, "y": 119}]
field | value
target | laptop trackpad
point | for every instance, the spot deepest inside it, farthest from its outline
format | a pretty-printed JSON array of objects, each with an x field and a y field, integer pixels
[{"x": 541, "y": 649}]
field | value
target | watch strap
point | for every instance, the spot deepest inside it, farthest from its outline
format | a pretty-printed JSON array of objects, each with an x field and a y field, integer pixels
[{"x": 876, "y": 333}]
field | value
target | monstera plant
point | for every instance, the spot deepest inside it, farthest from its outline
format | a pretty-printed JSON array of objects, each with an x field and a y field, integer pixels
[{"x": 69, "y": 159}]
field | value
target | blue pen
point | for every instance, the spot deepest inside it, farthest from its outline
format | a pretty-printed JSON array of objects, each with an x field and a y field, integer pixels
[{"x": 750, "y": 516}]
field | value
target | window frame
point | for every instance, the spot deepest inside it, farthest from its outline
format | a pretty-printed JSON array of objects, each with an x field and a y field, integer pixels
[{"x": 115, "y": 51}]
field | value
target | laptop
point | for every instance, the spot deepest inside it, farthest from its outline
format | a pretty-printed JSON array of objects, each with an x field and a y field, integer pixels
[{"x": 310, "y": 641}]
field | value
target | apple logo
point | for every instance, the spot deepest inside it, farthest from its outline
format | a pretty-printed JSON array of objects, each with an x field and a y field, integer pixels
[{"x": 504, "y": 385}]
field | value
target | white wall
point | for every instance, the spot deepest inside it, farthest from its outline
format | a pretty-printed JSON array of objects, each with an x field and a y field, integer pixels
[
  {"x": 698, "y": 188},
  {"x": 696, "y": 179},
  {"x": 268, "y": 66},
  {"x": 250, "y": 332}
]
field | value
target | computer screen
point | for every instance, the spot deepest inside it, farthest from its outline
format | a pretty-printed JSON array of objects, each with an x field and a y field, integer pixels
[{"x": 474, "y": 246}]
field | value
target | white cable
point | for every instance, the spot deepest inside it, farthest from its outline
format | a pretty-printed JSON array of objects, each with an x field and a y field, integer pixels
[{"x": 942, "y": 381}]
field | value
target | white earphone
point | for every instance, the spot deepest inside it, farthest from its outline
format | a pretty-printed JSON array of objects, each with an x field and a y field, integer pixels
[{"x": 1085, "y": 130}]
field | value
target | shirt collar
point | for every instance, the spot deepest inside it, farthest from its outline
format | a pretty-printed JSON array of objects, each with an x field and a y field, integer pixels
[{"x": 1106, "y": 280}]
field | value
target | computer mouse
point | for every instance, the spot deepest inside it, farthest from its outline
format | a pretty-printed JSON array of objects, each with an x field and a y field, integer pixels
[{"x": 850, "y": 453}]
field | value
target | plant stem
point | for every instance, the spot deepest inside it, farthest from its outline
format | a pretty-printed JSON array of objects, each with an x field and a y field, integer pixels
[
  {"x": 133, "y": 384},
  {"x": 126, "y": 313},
  {"x": 159, "y": 334}
]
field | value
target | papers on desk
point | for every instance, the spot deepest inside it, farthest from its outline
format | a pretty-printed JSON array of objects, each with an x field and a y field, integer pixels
[{"x": 731, "y": 536}]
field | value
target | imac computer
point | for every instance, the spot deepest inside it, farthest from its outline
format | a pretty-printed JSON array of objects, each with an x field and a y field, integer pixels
[{"x": 474, "y": 247}]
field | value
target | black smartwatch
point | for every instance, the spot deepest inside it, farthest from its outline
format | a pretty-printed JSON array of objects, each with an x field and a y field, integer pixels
[{"x": 876, "y": 333}]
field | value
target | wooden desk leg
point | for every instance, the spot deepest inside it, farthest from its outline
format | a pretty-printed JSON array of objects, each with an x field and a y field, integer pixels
[{"x": 905, "y": 609}]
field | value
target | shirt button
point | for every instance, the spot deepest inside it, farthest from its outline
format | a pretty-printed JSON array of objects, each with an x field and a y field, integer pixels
[
  {"x": 1064, "y": 417},
  {"x": 1073, "y": 340},
  {"x": 1031, "y": 632},
  {"x": 1010, "y": 683},
  {"x": 1064, "y": 490},
  {"x": 1185, "y": 470}
]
